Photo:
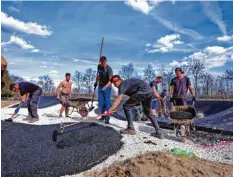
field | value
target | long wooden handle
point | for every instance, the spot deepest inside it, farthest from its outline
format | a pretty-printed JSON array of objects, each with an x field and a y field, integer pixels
[{"x": 84, "y": 120}]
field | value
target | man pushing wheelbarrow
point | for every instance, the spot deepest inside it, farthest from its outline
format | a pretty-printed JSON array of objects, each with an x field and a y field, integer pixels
[{"x": 181, "y": 114}]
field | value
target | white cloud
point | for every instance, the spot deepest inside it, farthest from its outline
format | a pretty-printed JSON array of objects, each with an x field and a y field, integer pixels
[
  {"x": 214, "y": 12},
  {"x": 84, "y": 61},
  {"x": 213, "y": 56},
  {"x": 168, "y": 43},
  {"x": 146, "y": 7},
  {"x": 19, "y": 42},
  {"x": 148, "y": 45},
  {"x": 43, "y": 66},
  {"x": 177, "y": 28},
  {"x": 53, "y": 72},
  {"x": 215, "y": 50},
  {"x": 35, "y": 50},
  {"x": 140, "y": 5},
  {"x": 26, "y": 78},
  {"x": 11, "y": 8},
  {"x": 225, "y": 38},
  {"x": 175, "y": 63},
  {"x": 26, "y": 27}
]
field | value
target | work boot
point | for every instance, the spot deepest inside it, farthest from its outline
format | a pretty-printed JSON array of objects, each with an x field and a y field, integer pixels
[
  {"x": 158, "y": 134},
  {"x": 60, "y": 116},
  {"x": 102, "y": 118},
  {"x": 67, "y": 116},
  {"x": 27, "y": 118},
  {"x": 106, "y": 121},
  {"x": 129, "y": 130},
  {"x": 33, "y": 120}
]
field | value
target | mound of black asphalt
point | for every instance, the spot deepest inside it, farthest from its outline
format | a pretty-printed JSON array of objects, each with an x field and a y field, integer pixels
[{"x": 29, "y": 150}]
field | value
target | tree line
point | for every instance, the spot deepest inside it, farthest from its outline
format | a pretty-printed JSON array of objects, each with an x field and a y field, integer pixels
[{"x": 204, "y": 83}]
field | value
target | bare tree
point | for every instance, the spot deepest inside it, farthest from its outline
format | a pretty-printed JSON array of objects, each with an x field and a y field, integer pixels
[
  {"x": 89, "y": 79},
  {"x": 128, "y": 71},
  {"x": 207, "y": 81},
  {"x": 229, "y": 74},
  {"x": 196, "y": 70},
  {"x": 78, "y": 79},
  {"x": 149, "y": 73},
  {"x": 46, "y": 83},
  {"x": 16, "y": 79}
]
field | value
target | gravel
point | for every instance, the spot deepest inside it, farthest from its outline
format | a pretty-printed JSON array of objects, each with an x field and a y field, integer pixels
[{"x": 29, "y": 151}]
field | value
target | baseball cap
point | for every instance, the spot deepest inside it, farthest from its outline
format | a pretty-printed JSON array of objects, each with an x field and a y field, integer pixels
[{"x": 179, "y": 69}]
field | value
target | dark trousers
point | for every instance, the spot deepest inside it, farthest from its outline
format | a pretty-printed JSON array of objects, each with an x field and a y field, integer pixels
[
  {"x": 146, "y": 101},
  {"x": 32, "y": 103},
  {"x": 180, "y": 102}
]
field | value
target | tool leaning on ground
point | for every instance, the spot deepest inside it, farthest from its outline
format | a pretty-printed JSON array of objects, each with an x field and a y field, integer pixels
[
  {"x": 16, "y": 112},
  {"x": 93, "y": 96},
  {"x": 62, "y": 127}
]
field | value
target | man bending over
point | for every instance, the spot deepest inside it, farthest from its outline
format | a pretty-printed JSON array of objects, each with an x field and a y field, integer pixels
[{"x": 139, "y": 92}]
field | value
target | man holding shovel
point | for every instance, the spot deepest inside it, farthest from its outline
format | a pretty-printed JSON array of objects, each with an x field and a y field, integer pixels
[
  {"x": 33, "y": 92},
  {"x": 103, "y": 77},
  {"x": 65, "y": 94},
  {"x": 139, "y": 92}
]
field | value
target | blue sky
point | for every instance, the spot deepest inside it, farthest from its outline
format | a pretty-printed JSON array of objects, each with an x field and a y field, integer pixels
[{"x": 57, "y": 37}]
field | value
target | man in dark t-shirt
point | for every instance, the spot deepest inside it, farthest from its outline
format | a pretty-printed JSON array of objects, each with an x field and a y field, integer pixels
[
  {"x": 33, "y": 92},
  {"x": 139, "y": 92},
  {"x": 179, "y": 87},
  {"x": 104, "y": 74}
]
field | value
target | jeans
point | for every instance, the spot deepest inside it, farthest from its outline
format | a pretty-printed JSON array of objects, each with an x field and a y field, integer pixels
[
  {"x": 104, "y": 100},
  {"x": 146, "y": 101},
  {"x": 32, "y": 103}
]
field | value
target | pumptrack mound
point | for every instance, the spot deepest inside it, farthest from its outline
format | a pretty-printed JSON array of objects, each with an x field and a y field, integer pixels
[
  {"x": 164, "y": 164},
  {"x": 29, "y": 150}
]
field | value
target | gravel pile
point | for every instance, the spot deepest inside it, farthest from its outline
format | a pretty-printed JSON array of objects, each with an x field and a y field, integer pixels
[{"x": 29, "y": 151}]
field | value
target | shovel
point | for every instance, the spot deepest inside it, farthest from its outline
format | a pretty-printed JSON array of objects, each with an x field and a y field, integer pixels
[
  {"x": 92, "y": 107},
  {"x": 11, "y": 118}
]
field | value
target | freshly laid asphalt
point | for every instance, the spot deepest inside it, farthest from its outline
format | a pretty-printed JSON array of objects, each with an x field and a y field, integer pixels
[{"x": 29, "y": 150}]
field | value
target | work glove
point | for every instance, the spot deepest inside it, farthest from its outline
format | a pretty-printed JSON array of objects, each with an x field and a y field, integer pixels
[
  {"x": 95, "y": 84},
  {"x": 16, "y": 110},
  {"x": 107, "y": 113},
  {"x": 171, "y": 99},
  {"x": 194, "y": 98},
  {"x": 103, "y": 89}
]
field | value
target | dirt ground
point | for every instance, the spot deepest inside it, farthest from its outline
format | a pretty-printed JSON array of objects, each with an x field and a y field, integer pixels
[
  {"x": 164, "y": 164},
  {"x": 8, "y": 102}
]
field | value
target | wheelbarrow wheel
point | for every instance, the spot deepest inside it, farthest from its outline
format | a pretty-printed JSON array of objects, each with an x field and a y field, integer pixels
[
  {"x": 182, "y": 130},
  {"x": 83, "y": 112}
]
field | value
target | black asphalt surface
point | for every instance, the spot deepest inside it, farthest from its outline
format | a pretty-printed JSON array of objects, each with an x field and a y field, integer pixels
[{"x": 28, "y": 150}]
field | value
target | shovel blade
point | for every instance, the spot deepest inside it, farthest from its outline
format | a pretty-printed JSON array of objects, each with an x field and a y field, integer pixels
[
  {"x": 91, "y": 108},
  {"x": 9, "y": 120}
]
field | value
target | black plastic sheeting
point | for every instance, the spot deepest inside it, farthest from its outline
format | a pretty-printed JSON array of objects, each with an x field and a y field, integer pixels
[
  {"x": 218, "y": 115},
  {"x": 219, "y": 121},
  {"x": 45, "y": 101},
  {"x": 29, "y": 150}
]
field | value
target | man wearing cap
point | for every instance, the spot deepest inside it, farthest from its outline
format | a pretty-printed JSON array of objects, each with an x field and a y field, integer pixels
[
  {"x": 104, "y": 74},
  {"x": 179, "y": 87},
  {"x": 139, "y": 92},
  {"x": 33, "y": 92}
]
